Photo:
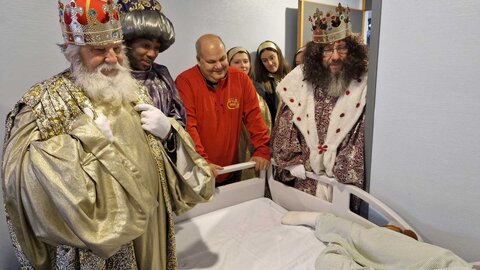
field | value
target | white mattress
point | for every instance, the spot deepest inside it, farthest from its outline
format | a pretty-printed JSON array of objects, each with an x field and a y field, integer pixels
[{"x": 245, "y": 236}]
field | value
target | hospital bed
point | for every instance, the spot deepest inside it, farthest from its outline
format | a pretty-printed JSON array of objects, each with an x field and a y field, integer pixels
[{"x": 241, "y": 229}]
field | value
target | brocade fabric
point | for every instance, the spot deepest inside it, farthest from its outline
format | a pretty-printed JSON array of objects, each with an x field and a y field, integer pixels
[{"x": 163, "y": 91}]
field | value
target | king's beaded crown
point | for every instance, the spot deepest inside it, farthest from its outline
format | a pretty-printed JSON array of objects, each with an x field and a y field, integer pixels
[
  {"x": 93, "y": 22},
  {"x": 331, "y": 26}
]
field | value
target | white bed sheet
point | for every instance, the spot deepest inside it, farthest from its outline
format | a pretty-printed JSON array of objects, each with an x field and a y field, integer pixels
[{"x": 245, "y": 236}]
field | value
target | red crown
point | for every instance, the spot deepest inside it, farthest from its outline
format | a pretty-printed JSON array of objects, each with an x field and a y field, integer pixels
[{"x": 93, "y": 22}]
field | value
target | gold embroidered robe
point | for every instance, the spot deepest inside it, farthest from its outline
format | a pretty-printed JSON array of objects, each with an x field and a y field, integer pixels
[{"x": 74, "y": 200}]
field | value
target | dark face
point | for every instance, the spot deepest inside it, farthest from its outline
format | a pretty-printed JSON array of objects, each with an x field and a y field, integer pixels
[{"x": 142, "y": 53}]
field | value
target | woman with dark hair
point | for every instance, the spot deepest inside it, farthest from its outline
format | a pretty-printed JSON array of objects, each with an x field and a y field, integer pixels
[
  {"x": 298, "y": 57},
  {"x": 270, "y": 68},
  {"x": 148, "y": 32}
]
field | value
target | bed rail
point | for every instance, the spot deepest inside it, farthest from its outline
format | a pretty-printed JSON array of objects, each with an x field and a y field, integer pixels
[
  {"x": 295, "y": 200},
  {"x": 232, "y": 194}
]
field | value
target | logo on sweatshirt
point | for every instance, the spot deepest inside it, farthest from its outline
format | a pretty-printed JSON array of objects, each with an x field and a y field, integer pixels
[{"x": 233, "y": 103}]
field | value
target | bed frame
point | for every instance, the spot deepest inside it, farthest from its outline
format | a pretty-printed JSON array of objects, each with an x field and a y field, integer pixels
[{"x": 295, "y": 200}]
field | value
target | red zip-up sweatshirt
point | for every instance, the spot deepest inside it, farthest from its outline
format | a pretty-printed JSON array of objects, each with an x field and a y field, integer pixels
[{"x": 214, "y": 116}]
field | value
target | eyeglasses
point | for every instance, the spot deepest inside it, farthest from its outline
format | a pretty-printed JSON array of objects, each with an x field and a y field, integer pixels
[{"x": 340, "y": 50}]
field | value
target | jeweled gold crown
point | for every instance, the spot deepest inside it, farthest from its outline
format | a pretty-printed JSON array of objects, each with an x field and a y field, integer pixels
[
  {"x": 332, "y": 26},
  {"x": 94, "y": 22}
]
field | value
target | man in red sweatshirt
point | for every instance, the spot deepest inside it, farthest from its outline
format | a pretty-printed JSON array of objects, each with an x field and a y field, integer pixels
[{"x": 218, "y": 99}]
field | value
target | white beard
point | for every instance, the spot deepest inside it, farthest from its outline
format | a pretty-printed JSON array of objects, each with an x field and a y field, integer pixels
[
  {"x": 111, "y": 90},
  {"x": 337, "y": 84}
]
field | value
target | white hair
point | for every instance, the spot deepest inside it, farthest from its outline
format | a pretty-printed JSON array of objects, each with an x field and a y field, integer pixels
[{"x": 112, "y": 90}]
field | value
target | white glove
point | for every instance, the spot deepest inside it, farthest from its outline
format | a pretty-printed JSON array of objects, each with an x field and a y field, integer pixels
[
  {"x": 153, "y": 120},
  {"x": 297, "y": 171},
  {"x": 102, "y": 123}
]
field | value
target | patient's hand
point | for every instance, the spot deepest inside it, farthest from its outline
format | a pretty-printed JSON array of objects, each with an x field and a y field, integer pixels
[{"x": 300, "y": 218}]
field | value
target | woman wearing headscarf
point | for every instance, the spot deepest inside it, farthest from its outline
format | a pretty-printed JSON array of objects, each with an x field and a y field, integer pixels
[{"x": 270, "y": 68}]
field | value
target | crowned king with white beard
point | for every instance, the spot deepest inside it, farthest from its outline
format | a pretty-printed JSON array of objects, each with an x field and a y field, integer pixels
[{"x": 87, "y": 181}]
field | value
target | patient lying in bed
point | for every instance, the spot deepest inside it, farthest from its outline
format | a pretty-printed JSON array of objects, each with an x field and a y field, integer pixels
[{"x": 352, "y": 246}]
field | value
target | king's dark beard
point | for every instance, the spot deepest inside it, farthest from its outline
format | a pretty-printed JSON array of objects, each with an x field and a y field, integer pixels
[
  {"x": 337, "y": 84},
  {"x": 322, "y": 78}
]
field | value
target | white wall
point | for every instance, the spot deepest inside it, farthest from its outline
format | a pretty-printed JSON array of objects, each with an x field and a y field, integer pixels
[
  {"x": 426, "y": 151},
  {"x": 244, "y": 23}
]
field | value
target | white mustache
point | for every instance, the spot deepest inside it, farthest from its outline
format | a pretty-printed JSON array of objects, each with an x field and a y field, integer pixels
[{"x": 110, "y": 67}]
